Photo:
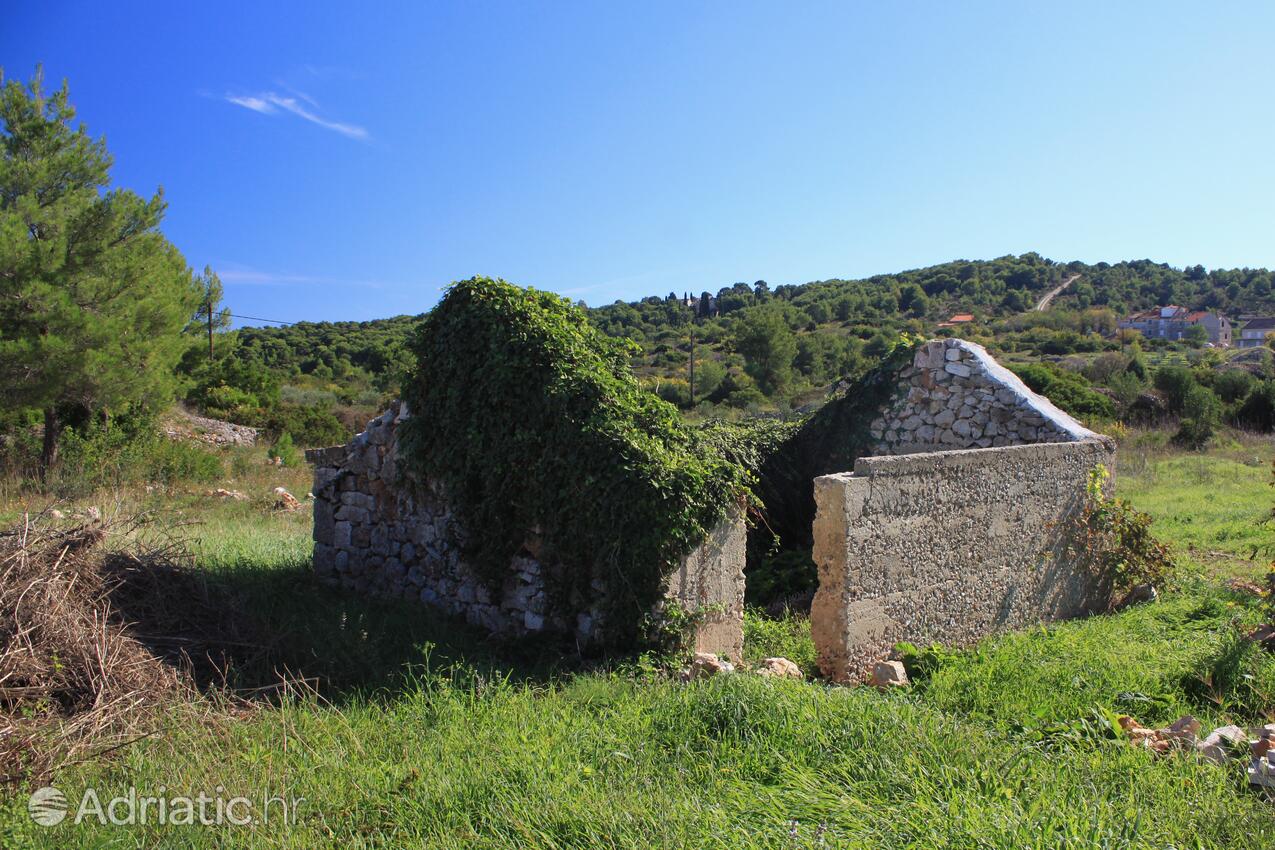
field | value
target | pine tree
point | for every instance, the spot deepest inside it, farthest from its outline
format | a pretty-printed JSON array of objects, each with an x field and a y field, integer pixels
[
  {"x": 210, "y": 317},
  {"x": 93, "y": 299}
]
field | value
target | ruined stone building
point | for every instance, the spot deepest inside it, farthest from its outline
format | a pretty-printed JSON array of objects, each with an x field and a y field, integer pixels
[{"x": 947, "y": 528}]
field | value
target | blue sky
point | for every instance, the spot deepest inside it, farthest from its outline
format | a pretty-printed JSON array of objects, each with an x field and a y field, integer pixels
[{"x": 334, "y": 164}]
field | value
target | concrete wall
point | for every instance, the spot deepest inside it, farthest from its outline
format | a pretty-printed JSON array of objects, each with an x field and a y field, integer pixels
[
  {"x": 376, "y": 532},
  {"x": 947, "y": 547}
]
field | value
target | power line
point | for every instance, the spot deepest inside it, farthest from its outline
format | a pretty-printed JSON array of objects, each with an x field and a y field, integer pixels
[{"x": 259, "y": 319}]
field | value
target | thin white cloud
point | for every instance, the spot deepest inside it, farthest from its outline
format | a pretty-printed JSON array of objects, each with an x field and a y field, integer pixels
[
  {"x": 270, "y": 103},
  {"x": 256, "y": 104},
  {"x": 256, "y": 277}
]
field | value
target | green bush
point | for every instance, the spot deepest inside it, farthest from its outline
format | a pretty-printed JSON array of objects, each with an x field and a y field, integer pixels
[
  {"x": 284, "y": 451},
  {"x": 309, "y": 427},
  {"x": 1232, "y": 385},
  {"x": 1258, "y": 410},
  {"x": 233, "y": 387},
  {"x": 1069, "y": 390},
  {"x": 98, "y": 456},
  {"x": 537, "y": 422},
  {"x": 1175, "y": 382},
  {"x": 1114, "y": 540},
  {"x": 1201, "y": 416}
]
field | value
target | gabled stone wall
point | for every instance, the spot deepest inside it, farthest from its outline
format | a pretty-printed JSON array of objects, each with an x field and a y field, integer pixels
[
  {"x": 954, "y": 529},
  {"x": 956, "y": 396},
  {"x": 379, "y": 532}
]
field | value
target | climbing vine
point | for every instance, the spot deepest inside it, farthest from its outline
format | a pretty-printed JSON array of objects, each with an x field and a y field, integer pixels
[{"x": 532, "y": 422}]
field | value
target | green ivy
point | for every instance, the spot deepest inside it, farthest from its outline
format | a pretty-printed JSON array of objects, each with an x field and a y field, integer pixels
[{"x": 531, "y": 419}]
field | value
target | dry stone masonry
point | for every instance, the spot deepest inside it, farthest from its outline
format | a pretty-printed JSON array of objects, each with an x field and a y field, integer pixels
[
  {"x": 951, "y": 532},
  {"x": 378, "y": 532},
  {"x": 954, "y": 531},
  {"x": 955, "y": 395}
]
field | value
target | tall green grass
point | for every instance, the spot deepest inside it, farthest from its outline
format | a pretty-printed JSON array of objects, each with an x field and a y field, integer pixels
[
  {"x": 426, "y": 734},
  {"x": 605, "y": 761}
]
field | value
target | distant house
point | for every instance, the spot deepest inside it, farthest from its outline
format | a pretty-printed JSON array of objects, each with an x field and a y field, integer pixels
[
  {"x": 1172, "y": 322},
  {"x": 1254, "y": 332},
  {"x": 958, "y": 319}
]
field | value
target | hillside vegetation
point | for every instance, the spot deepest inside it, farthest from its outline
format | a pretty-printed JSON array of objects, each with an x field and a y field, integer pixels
[{"x": 758, "y": 349}]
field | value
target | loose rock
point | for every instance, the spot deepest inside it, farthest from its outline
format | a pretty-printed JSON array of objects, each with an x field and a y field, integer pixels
[
  {"x": 705, "y": 664},
  {"x": 889, "y": 674},
  {"x": 1138, "y": 595},
  {"x": 1262, "y": 771},
  {"x": 1263, "y": 635},
  {"x": 213, "y": 432},
  {"x": 1221, "y": 742},
  {"x": 779, "y": 668},
  {"x": 285, "y": 501}
]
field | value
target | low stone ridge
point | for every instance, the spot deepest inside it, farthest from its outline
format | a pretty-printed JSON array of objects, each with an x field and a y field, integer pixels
[
  {"x": 377, "y": 531},
  {"x": 214, "y": 432},
  {"x": 956, "y": 396}
]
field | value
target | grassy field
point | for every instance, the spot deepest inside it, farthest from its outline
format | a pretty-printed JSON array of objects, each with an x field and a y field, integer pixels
[{"x": 423, "y": 734}]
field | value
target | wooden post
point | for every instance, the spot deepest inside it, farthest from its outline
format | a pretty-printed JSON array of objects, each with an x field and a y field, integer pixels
[{"x": 692, "y": 365}]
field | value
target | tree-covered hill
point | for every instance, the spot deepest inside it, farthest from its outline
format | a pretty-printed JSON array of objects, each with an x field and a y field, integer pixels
[
  {"x": 329, "y": 350},
  {"x": 755, "y": 346}
]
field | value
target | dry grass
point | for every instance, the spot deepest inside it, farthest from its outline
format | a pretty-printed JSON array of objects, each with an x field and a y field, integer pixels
[{"x": 99, "y": 642}]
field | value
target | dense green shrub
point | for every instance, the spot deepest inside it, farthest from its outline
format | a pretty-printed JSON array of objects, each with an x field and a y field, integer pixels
[
  {"x": 233, "y": 387},
  {"x": 1069, "y": 390},
  {"x": 309, "y": 427},
  {"x": 98, "y": 456},
  {"x": 1201, "y": 416},
  {"x": 536, "y": 422},
  {"x": 1258, "y": 410},
  {"x": 1232, "y": 385},
  {"x": 284, "y": 451},
  {"x": 1174, "y": 382},
  {"x": 1114, "y": 540}
]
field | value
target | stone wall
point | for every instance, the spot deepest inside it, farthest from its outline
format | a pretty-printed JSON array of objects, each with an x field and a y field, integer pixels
[
  {"x": 947, "y": 547},
  {"x": 377, "y": 532},
  {"x": 955, "y": 396}
]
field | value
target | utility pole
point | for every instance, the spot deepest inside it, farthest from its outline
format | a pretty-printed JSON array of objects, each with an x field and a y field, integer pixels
[
  {"x": 210, "y": 332},
  {"x": 692, "y": 363}
]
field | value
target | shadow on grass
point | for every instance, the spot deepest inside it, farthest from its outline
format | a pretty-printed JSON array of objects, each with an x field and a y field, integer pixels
[{"x": 249, "y": 627}]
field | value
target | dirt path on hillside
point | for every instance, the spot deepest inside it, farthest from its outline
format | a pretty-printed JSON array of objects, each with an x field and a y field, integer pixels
[{"x": 1043, "y": 304}]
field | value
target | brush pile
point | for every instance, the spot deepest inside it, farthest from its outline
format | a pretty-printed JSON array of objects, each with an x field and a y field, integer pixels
[{"x": 95, "y": 641}]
